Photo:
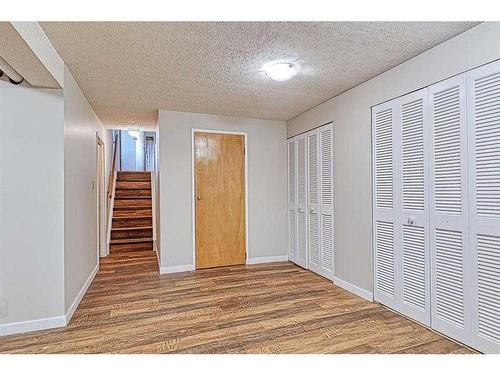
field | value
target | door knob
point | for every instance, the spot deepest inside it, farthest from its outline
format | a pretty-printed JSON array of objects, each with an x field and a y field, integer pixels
[
  {"x": 199, "y": 197},
  {"x": 311, "y": 210}
]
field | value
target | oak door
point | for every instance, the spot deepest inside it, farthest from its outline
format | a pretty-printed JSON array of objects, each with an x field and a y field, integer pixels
[{"x": 219, "y": 162}]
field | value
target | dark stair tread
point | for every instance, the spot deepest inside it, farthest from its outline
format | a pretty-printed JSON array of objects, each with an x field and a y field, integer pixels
[
  {"x": 132, "y": 207},
  {"x": 132, "y": 212},
  {"x": 132, "y": 240},
  {"x": 133, "y": 179},
  {"x": 136, "y": 197},
  {"x": 133, "y": 217},
  {"x": 133, "y": 228},
  {"x": 132, "y": 188}
]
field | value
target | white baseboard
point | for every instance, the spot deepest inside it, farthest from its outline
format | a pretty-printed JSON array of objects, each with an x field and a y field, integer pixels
[
  {"x": 32, "y": 325},
  {"x": 174, "y": 269},
  {"x": 353, "y": 289},
  {"x": 258, "y": 260},
  {"x": 80, "y": 294},
  {"x": 47, "y": 323}
]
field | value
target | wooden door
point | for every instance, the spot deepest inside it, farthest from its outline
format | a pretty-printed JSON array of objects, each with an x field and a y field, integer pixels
[{"x": 219, "y": 163}]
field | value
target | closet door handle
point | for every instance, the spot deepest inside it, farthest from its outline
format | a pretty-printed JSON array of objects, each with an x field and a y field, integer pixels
[{"x": 311, "y": 210}]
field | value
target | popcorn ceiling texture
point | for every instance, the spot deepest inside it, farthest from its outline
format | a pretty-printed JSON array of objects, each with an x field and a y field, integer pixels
[{"x": 129, "y": 70}]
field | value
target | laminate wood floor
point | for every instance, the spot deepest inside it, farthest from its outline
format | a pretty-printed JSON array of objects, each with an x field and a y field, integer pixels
[{"x": 266, "y": 308}]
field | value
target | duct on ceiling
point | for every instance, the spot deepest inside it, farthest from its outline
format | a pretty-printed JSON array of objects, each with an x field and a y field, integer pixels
[{"x": 14, "y": 77}]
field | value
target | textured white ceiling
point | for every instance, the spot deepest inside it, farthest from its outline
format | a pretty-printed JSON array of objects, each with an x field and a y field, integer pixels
[{"x": 128, "y": 70}]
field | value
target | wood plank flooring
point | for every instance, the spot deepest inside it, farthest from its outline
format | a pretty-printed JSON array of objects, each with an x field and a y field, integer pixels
[{"x": 267, "y": 308}]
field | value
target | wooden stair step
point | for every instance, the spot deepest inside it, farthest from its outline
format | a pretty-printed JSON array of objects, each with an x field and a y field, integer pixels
[
  {"x": 130, "y": 185},
  {"x": 142, "y": 202},
  {"x": 134, "y": 211},
  {"x": 132, "y": 222},
  {"x": 122, "y": 193},
  {"x": 134, "y": 180},
  {"x": 131, "y": 207},
  {"x": 133, "y": 228},
  {"x": 132, "y": 217},
  {"x": 133, "y": 175},
  {"x": 133, "y": 197},
  {"x": 132, "y": 240},
  {"x": 133, "y": 246},
  {"x": 131, "y": 234}
]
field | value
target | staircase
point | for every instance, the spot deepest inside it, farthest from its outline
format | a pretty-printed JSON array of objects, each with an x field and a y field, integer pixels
[{"x": 132, "y": 225}]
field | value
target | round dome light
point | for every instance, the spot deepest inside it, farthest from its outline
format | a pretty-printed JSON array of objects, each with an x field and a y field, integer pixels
[{"x": 281, "y": 71}]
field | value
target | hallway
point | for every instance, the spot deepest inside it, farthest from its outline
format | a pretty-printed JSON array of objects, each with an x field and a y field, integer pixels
[{"x": 263, "y": 308}]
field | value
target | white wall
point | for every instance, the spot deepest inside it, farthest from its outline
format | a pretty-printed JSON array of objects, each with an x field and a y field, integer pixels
[
  {"x": 351, "y": 115},
  {"x": 127, "y": 152},
  {"x": 266, "y": 183},
  {"x": 139, "y": 152},
  {"x": 31, "y": 206},
  {"x": 48, "y": 209},
  {"x": 80, "y": 201}
]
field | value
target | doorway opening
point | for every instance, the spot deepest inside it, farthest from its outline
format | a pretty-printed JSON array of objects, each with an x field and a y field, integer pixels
[
  {"x": 133, "y": 194},
  {"x": 101, "y": 198},
  {"x": 136, "y": 150}
]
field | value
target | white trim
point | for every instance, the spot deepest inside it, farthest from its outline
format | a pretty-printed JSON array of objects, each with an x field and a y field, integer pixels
[
  {"x": 102, "y": 202},
  {"x": 153, "y": 213},
  {"x": 353, "y": 289},
  {"x": 32, "y": 325},
  {"x": 80, "y": 295},
  {"x": 193, "y": 214},
  {"x": 175, "y": 269},
  {"x": 110, "y": 212},
  {"x": 258, "y": 260}
]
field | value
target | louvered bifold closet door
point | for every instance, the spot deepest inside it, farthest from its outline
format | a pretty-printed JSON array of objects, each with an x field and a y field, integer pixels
[
  {"x": 292, "y": 199},
  {"x": 384, "y": 204},
  {"x": 412, "y": 195},
  {"x": 483, "y": 111},
  {"x": 313, "y": 198},
  {"x": 449, "y": 236},
  {"x": 326, "y": 201},
  {"x": 301, "y": 258}
]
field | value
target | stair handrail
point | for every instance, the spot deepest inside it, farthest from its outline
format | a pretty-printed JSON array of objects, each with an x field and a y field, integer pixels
[{"x": 111, "y": 181}]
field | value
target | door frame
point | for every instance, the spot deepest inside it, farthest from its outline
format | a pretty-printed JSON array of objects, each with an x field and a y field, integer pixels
[
  {"x": 193, "y": 203},
  {"x": 100, "y": 188}
]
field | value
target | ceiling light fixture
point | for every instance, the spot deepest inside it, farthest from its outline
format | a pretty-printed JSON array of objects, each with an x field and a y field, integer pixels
[{"x": 281, "y": 71}]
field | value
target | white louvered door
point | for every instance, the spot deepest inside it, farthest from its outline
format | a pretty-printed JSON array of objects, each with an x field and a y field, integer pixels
[
  {"x": 483, "y": 109},
  {"x": 436, "y": 206},
  {"x": 412, "y": 196},
  {"x": 384, "y": 205},
  {"x": 449, "y": 237},
  {"x": 326, "y": 196},
  {"x": 313, "y": 199},
  {"x": 301, "y": 257},
  {"x": 401, "y": 224},
  {"x": 292, "y": 199}
]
